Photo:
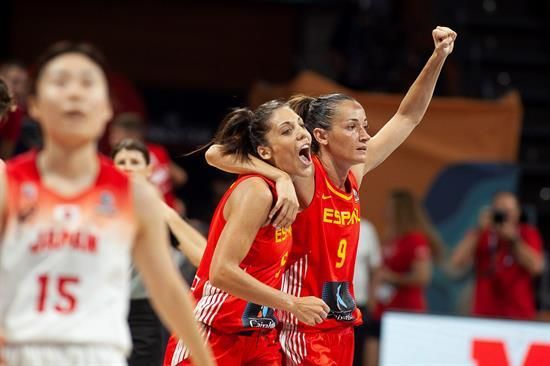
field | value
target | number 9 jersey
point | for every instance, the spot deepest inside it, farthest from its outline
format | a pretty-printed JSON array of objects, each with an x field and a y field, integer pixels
[
  {"x": 322, "y": 259},
  {"x": 64, "y": 261}
]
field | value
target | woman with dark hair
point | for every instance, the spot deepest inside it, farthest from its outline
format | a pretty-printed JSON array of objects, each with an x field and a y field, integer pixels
[
  {"x": 412, "y": 245},
  {"x": 238, "y": 280},
  {"x": 69, "y": 224},
  {"x": 132, "y": 157},
  {"x": 326, "y": 232}
]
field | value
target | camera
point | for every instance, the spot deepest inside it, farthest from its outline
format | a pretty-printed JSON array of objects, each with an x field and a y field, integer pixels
[{"x": 499, "y": 217}]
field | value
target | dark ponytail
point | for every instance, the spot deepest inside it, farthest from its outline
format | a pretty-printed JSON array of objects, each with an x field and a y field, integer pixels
[
  {"x": 243, "y": 130},
  {"x": 234, "y": 133},
  {"x": 301, "y": 104},
  {"x": 317, "y": 112}
]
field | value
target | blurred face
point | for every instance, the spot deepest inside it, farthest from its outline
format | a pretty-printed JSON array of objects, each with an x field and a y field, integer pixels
[
  {"x": 508, "y": 204},
  {"x": 347, "y": 138},
  {"x": 132, "y": 162},
  {"x": 72, "y": 100},
  {"x": 17, "y": 80},
  {"x": 289, "y": 143}
]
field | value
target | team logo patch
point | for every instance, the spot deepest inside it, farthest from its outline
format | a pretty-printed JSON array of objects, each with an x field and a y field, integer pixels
[
  {"x": 258, "y": 316},
  {"x": 28, "y": 199},
  {"x": 337, "y": 296},
  {"x": 107, "y": 203},
  {"x": 67, "y": 214}
]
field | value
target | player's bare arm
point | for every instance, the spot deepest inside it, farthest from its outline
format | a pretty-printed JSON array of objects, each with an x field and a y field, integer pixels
[
  {"x": 246, "y": 212},
  {"x": 191, "y": 241},
  {"x": 412, "y": 107},
  {"x": 286, "y": 208},
  {"x": 169, "y": 294}
]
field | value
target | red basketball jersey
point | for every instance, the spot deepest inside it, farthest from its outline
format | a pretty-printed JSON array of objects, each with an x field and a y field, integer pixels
[
  {"x": 265, "y": 261},
  {"x": 160, "y": 161},
  {"x": 322, "y": 259}
]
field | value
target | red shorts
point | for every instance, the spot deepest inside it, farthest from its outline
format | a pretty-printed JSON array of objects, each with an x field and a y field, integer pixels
[
  {"x": 328, "y": 348},
  {"x": 254, "y": 348}
]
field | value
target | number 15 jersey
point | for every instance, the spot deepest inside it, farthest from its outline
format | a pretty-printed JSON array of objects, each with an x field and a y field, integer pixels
[
  {"x": 64, "y": 262},
  {"x": 322, "y": 259}
]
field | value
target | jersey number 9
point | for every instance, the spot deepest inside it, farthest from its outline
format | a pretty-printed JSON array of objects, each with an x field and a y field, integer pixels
[{"x": 341, "y": 253}]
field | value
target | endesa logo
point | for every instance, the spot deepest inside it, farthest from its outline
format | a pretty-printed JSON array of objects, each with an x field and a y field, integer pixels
[{"x": 491, "y": 352}]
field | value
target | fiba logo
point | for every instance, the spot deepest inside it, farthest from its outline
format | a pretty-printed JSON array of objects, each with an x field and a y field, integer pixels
[
  {"x": 28, "y": 200},
  {"x": 107, "y": 204},
  {"x": 29, "y": 191},
  {"x": 356, "y": 196}
]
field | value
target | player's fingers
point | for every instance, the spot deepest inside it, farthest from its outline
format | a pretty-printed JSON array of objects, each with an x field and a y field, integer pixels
[
  {"x": 288, "y": 219},
  {"x": 275, "y": 208},
  {"x": 292, "y": 215},
  {"x": 281, "y": 216},
  {"x": 438, "y": 34}
]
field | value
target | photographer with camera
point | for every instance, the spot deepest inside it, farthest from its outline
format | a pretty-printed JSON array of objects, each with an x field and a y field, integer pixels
[{"x": 506, "y": 254}]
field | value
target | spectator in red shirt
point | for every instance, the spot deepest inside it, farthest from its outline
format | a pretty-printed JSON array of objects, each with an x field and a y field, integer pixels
[
  {"x": 16, "y": 78},
  {"x": 166, "y": 174},
  {"x": 506, "y": 255},
  {"x": 408, "y": 253}
]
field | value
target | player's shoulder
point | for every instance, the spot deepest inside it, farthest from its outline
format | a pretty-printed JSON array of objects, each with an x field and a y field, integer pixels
[
  {"x": 22, "y": 167},
  {"x": 252, "y": 187},
  {"x": 22, "y": 161}
]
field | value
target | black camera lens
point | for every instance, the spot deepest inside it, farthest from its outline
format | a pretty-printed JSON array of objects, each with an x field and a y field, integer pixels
[{"x": 499, "y": 217}]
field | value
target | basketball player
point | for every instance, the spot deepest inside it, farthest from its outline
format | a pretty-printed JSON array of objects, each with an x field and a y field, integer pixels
[
  {"x": 69, "y": 222},
  {"x": 238, "y": 279},
  {"x": 326, "y": 232}
]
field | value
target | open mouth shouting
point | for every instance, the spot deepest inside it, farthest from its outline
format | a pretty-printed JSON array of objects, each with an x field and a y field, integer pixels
[{"x": 304, "y": 154}]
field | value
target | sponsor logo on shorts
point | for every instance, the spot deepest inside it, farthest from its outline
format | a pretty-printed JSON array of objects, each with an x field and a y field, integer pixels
[
  {"x": 337, "y": 296},
  {"x": 258, "y": 316}
]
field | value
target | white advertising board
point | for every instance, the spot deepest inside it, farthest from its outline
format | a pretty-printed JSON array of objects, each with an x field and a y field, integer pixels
[{"x": 433, "y": 340}]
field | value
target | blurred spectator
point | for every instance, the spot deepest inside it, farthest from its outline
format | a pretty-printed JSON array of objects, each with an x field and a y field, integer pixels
[
  {"x": 368, "y": 261},
  {"x": 506, "y": 255},
  {"x": 464, "y": 302},
  {"x": 16, "y": 78},
  {"x": 408, "y": 253},
  {"x": 166, "y": 173},
  {"x": 5, "y": 99}
]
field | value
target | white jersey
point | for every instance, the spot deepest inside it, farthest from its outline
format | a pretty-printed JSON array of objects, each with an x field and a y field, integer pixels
[{"x": 64, "y": 262}]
